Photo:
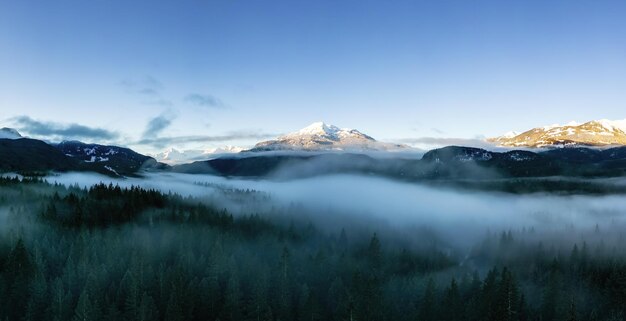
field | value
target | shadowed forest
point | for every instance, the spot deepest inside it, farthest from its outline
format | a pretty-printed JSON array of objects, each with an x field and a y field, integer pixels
[{"x": 112, "y": 253}]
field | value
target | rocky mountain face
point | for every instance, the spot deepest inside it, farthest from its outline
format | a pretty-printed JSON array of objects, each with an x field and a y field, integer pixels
[
  {"x": 592, "y": 133},
  {"x": 323, "y": 137}
]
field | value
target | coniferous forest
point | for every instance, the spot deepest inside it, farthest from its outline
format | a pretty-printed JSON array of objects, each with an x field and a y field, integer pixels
[{"x": 112, "y": 253}]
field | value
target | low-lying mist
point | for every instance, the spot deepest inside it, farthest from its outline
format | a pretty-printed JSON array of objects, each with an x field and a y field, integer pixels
[
  {"x": 299, "y": 246},
  {"x": 381, "y": 205}
]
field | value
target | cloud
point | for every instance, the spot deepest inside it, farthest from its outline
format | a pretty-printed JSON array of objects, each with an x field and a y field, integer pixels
[
  {"x": 157, "y": 124},
  {"x": 437, "y": 130},
  {"x": 147, "y": 86},
  {"x": 205, "y": 100},
  {"x": 470, "y": 142},
  {"x": 161, "y": 142},
  {"x": 55, "y": 130}
]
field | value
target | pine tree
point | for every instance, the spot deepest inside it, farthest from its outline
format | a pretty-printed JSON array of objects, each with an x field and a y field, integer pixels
[
  {"x": 59, "y": 304},
  {"x": 507, "y": 297},
  {"x": 426, "y": 310},
  {"x": 36, "y": 307},
  {"x": 571, "y": 311},
  {"x": 174, "y": 310},
  {"x": 374, "y": 253},
  {"x": 522, "y": 310},
  {"x": 85, "y": 310},
  {"x": 551, "y": 295},
  {"x": 147, "y": 310},
  {"x": 284, "y": 305},
  {"x": 233, "y": 300},
  {"x": 451, "y": 304}
]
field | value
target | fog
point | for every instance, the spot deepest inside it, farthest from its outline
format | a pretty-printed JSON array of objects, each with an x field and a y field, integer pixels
[
  {"x": 423, "y": 232},
  {"x": 381, "y": 205}
]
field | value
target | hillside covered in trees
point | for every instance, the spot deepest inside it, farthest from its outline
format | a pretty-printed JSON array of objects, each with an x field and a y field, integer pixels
[{"x": 112, "y": 253}]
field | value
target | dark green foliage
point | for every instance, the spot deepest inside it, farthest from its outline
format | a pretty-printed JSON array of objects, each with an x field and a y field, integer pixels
[{"x": 111, "y": 253}]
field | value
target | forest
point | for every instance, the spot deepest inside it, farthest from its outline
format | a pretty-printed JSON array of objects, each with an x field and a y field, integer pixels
[{"x": 107, "y": 252}]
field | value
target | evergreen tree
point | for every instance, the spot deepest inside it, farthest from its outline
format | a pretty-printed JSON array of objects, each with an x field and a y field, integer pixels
[
  {"x": 85, "y": 311},
  {"x": 426, "y": 310}
]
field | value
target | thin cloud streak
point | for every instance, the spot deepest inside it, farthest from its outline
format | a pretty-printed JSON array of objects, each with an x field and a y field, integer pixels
[
  {"x": 439, "y": 141},
  {"x": 204, "y": 100},
  {"x": 161, "y": 142},
  {"x": 147, "y": 86},
  {"x": 54, "y": 130}
]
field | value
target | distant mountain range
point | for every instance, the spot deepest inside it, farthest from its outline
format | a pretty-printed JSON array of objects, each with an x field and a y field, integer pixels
[
  {"x": 317, "y": 137},
  {"x": 173, "y": 156},
  {"x": 454, "y": 162},
  {"x": 323, "y": 149},
  {"x": 322, "y": 137},
  {"x": 593, "y": 133}
]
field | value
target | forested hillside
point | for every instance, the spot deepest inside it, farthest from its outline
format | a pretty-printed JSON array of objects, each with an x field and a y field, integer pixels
[{"x": 111, "y": 253}]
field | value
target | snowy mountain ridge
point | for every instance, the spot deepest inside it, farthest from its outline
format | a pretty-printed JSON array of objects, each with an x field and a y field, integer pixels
[
  {"x": 320, "y": 136},
  {"x": 601, "y": 132}
]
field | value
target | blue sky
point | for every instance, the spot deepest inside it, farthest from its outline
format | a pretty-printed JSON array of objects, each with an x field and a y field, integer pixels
[{"x": 199, "y": 74}]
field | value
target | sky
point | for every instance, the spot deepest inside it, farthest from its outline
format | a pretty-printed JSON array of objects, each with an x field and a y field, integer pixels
[{"x": 202, "y": 74}]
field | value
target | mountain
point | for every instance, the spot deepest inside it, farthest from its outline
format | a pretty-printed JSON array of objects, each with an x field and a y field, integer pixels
[
  {"x": 25, "y": 155},
  {"x": 323, "y": 137},
  {"x": 451, "y": 163},
  {"x": 593, "y": 133},
  {"x": 174, "y": 156},
  {"x": 107, "y": 159},
  {"x": 31, "y": 155},
  {"x": 9, "y": 133}
]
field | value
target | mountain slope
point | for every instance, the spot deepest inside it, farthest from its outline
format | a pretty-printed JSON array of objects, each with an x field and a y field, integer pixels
[
  {"x": 19, "y": 155},
  {"x": 592, "y": 133},
  {"x": 323, "y": 137},
  {"x": 102, "y": 158},
  {"x": 448, "y": 163},
  {"x": 30, "y": 155}
]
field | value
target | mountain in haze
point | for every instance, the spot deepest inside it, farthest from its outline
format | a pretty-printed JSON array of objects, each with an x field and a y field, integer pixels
[
  {"x": 320, "y": 136},
  {"x": 174, "y": 156},
  {"x": 9, "y": 133},
  {"x": 452, "y": 163},
  {"x": 593, "y": 133}
]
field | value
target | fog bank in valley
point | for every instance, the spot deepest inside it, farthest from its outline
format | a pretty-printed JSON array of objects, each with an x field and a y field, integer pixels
[{"x": 382, "y": 205}]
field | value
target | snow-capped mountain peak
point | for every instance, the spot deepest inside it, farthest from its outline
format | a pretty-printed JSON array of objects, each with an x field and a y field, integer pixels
[
  {"x": 323, "y": 130},
  {"x": 321, "y": 136},
  {"x": 601, "y": 132},
  {"x": 9, "y": 133},
  {"x": 318, "y": 128}
]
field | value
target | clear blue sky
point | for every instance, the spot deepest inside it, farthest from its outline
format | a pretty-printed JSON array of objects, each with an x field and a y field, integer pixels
[{"x": 211, "y": 73}]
